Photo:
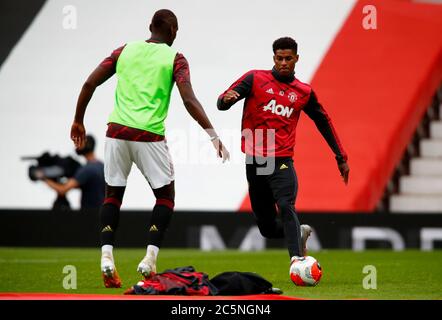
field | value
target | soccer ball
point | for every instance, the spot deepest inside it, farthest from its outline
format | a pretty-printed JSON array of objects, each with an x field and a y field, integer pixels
[{"x": 305, "y": 271}]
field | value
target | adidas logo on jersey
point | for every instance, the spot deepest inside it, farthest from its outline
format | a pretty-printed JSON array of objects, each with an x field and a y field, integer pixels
[
  {"x": 278, "y": 109},
  {"x": 153, "y": 228},
  {"x": 270, "y": 91},
  {"x": 283, "y": 166},
  {"x": 107, "y": 229}
]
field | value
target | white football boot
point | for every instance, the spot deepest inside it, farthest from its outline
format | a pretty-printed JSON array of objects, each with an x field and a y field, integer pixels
[
  {"x": 110, "y": 275},
  {"x": 148, "y": 266}
]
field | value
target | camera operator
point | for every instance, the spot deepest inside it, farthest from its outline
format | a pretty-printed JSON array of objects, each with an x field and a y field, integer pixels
[{"x": 89, "y": 178}]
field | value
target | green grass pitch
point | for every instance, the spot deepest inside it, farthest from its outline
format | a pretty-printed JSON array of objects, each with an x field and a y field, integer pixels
[{"x": 400, "y": 275}]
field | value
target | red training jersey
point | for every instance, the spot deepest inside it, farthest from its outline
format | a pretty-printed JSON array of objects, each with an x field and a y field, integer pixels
[{"x": 271, "y": 112}]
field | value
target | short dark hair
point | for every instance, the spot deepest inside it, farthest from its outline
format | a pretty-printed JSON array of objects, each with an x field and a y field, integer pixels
[
  {"x": 285, "y": 43},
  {"x": 163, "y": 19},
  {"x": 89, "y": 146}
]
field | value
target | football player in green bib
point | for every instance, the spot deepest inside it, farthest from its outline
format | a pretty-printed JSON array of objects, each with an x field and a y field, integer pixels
[{"x": 146, "y": 72}]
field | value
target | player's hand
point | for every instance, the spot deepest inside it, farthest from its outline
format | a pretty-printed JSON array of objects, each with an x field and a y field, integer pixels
[
  {"x": 221, "y": 150},
  {"x": 78, "y": 135},
  {"x": 344, "y": 169},
  {"x": 230, "y": 96}
]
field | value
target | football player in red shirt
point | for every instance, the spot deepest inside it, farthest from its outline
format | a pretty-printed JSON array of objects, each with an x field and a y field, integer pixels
[{"x": 274, "y": 100}]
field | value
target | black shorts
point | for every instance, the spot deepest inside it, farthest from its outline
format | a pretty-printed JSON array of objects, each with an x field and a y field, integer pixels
[{"x": 271, "y": 182}]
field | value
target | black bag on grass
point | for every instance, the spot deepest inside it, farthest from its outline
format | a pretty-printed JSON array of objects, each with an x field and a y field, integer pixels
[{"x": 235, "y": 283}]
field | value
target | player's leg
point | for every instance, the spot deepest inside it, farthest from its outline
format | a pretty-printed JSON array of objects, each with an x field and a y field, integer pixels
[
  {"x": 263, "y": 204},
  {"x": 154, "y": 161},
  {"x": 157, "y": 226},
  {"x": 109, "y": 218},
  {"x": 284, "y": 185},
  {"x": 117, "y": 165}
]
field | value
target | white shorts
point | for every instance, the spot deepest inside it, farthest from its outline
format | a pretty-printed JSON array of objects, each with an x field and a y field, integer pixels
[{"x": 152, "y": 158}]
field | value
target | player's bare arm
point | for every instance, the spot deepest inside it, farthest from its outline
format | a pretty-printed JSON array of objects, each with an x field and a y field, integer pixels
[
  {"x": 96, "y": 78},
  {"x": 195, "y": 109}
]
